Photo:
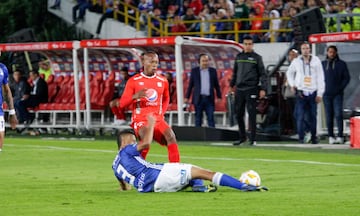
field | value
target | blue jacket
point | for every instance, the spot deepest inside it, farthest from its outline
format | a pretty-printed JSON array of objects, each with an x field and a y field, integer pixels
[
  {"x": 195, "y": 83},
  {"x": 336, "y": 75}
]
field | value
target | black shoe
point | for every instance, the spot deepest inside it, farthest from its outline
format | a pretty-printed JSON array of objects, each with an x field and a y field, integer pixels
[
  {"x": 314, "y": 141},
  {"x": 239, "y": 142}
]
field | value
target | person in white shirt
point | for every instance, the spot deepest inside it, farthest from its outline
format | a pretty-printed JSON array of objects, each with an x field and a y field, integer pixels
[{"x": 305, "y": 76}]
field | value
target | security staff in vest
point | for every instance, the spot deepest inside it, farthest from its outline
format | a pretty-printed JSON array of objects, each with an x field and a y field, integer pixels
[{"x": 248, "y": 81}]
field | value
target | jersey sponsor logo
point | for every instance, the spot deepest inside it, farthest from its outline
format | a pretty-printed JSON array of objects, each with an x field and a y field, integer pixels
[{"x": 151, "y": 95}]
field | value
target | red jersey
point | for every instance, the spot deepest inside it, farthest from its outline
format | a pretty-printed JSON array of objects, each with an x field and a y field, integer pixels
[{"x": 156, "y": 100}]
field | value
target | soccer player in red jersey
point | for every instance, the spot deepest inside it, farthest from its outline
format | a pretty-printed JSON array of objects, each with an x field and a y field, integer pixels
[{"x": 148, "y": 92}]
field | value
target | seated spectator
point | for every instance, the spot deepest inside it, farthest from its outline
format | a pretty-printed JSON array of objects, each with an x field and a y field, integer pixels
[
  {"x": 20, "y": 88},
  {"x": 178, "y": 26},
  {"x": 119, "y": 114},
  {"x": 38, "y": 94},
  {"x": 45, "y": 68},
  {"x": 189, "y": 16},
  {"x": 81, "y": 5}
]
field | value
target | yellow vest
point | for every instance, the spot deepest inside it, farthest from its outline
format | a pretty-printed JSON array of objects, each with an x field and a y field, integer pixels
[{"x": 356, "y": 19}]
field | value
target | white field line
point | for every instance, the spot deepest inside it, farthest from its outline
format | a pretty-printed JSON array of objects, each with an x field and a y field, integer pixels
[{"x": 188, "y": 157}]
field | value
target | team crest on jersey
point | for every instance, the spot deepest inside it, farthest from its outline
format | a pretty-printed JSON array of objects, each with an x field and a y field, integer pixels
[
  {"x": 159, "y": 84},
  {"x": 151, "y": 95},
  {"x": 141, "y": 83},
  {"x": 251, "y": 58}
]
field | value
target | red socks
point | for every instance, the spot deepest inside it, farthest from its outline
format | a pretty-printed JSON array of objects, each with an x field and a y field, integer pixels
[
  {"x": 173, "y": 153},
  {"x": 144, "y": 153}
]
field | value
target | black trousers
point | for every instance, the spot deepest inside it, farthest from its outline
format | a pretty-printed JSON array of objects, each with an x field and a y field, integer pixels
[{"x": 248, "y": 99}]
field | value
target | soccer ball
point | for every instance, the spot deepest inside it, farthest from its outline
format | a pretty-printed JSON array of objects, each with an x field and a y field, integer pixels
[{"x": 250, "y": 177}]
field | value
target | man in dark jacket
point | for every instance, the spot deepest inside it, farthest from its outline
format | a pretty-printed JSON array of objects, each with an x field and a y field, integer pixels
[
  {"x": 204, "y": 81},
  {"x": 38, "y": 94},
  {"x": 337, "y": 77},
  {"x": 20, "y": 88},
  {"x": 248, "y": 72}
]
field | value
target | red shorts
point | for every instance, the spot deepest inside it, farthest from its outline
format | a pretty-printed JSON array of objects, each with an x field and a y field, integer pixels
[{"x": 159, "y": 130}]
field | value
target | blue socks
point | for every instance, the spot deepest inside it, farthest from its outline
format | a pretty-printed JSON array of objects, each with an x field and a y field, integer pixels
[{"x": 226, "y": 180}]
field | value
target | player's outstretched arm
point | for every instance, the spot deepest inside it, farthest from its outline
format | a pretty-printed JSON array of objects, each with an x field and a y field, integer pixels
[
  {"x": 9, "y": 100},
  {"x": 124, "y": 186}
]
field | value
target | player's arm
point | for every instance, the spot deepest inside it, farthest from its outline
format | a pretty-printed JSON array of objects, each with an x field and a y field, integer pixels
[
  {"x": 149, "y": 132},
  {"x": 124, "y": 186},
  {"x": 10, "y": 102},
  {"x": 126, "y": 98},
  {"x": 166, "y": 97}
]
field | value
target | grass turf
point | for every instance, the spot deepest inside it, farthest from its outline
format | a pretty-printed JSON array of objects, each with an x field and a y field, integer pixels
[{"x": 74, "y": 177}]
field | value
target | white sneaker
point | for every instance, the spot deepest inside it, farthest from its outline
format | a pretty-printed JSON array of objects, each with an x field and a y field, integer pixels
[
  {"x": 332, "y": 140},
  {"x": 0, "y": 150},
  {"x": 339, "y": 140},
  {"x": 307, "y": 138},
  {"x": 119, "y": 122}
]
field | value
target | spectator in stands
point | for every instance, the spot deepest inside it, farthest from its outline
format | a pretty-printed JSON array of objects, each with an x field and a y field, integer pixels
[
  {"x": 274, "y": 26},
  {"x": 189, "y": 16},
  {"x": 145, "y": 8},
  {"x": 170, "y": 17},
  {"x": 197, "y": 6},
  {"x": 228, "y": 6},
  {"x": 356, "y": 19},
  {"x": 120, "y": 8},
  {"x": 109, "y": 13},
  {"x": 45, "y": 68},
  {"x": 20, "y": 88},
  {"x": 38, "y": 94},
  {"x": 203, "y": 82},
  {"x": 222, "y": 25},
  {"x": 337, "y": 77},
  {"x": 257, "y": 24},
  {"x": 5, "y": 92},
  {"x": 178, "y": 26},
  {"x": 81, "y": 5},
  {"x": 248, "y": 72},
  {"x": 205, "y": 16},
  {"x": 305, "y": 76},
  {"x": 155, "y": 22},
  {"x": 345, "y": 22},
  {"x": 242, "y": 12},
  {"x": 119, "y": 113}
]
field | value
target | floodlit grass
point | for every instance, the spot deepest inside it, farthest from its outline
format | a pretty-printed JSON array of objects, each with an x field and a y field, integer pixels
[{"x": 69, "y": 177}]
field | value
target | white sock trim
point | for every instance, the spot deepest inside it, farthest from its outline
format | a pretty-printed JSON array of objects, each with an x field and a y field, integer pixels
[{"x": 216, "y": 179}]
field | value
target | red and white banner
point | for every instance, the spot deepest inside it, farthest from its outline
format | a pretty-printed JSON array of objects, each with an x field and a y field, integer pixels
[
  {"x": 128, "y": 42},
  {"x": 32, "y": 46},
  {"x": 335, "y": 37}
]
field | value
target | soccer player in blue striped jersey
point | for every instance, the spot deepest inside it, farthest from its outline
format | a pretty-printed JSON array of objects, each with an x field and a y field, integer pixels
[
  {"x": 7, "y": 96},
  {"x": 129, "y": 167}
]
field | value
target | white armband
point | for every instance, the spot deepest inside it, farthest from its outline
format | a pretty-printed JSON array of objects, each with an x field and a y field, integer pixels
[{"x": 12, "y": 112}]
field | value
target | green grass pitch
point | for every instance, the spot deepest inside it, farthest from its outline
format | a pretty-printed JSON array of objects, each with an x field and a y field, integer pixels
[{"x": 74, "y": 177}]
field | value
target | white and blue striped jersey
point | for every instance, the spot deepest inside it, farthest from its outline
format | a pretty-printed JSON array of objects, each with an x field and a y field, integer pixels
[
  {"x": 4, "y": 75},
  {"x": 132, "y": 168}
]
